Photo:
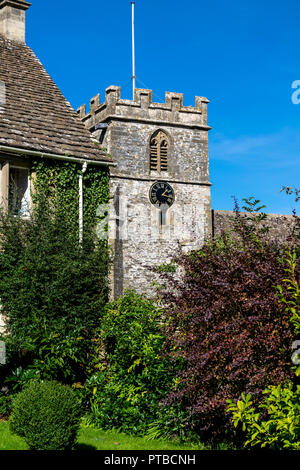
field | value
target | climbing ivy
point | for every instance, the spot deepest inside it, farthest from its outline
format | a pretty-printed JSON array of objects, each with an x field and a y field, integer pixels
[{"x": 59, "y": 181}]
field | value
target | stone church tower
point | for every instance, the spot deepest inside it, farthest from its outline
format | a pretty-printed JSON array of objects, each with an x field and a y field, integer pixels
[{"x": 160, "y": 188}]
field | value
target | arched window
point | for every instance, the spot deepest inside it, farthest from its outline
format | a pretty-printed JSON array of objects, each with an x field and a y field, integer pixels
[{"x": 159, "y": 149}]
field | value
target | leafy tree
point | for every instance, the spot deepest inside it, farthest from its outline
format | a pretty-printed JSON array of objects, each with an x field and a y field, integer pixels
[
  {"x": 52, "y": 289},
  {"x": 227, "y": 322},
  {"x": 274, "y": 423}
]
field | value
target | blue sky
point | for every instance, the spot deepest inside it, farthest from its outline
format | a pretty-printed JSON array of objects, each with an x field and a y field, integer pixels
[{"x": 242, "y": 55}]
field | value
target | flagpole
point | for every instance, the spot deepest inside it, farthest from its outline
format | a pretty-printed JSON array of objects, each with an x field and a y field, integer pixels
[{"x": 133, "y": 50}]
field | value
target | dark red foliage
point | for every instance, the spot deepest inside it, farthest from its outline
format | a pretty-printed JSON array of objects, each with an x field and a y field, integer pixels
[{"x": 228, "y": 324}]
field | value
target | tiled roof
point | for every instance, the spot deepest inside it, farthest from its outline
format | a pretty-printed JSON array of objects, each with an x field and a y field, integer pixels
[{"x": 35, "y": 115}]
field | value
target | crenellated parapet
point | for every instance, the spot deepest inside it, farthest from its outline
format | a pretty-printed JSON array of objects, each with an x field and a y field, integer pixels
[{"x": 142, "y": 109}]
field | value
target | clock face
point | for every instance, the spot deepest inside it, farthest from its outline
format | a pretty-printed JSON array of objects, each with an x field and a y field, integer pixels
[{"x": 162, "y": 194}]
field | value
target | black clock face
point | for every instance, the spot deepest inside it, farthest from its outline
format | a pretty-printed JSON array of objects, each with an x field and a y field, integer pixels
[{"x": 162, "y": 194}]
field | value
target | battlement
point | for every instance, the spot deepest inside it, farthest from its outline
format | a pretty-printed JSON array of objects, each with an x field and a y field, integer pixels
[{"x": 143, "y": 109}]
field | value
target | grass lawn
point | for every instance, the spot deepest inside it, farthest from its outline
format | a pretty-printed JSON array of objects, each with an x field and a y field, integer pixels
[{"x": 95, "y": 439}]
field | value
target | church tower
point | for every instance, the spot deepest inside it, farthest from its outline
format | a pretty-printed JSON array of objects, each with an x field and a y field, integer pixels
[{"x": 160, "y": 188}]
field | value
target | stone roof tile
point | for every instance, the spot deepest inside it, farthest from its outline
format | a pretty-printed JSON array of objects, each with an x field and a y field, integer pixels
[{"x": 34, "y": 114}]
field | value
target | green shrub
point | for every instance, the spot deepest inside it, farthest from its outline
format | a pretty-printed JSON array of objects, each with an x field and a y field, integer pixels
[
  {"x": 292, "y": 300},
  {"x": 6, "y": 400},
  {"x": 48, "y": 282},
  {"x": 134, "y": 377},
  {"x": 172, "y": 423},
  {"x": 274, "y": 423},
  {"x": 65, "y": 358},
  {"x": 47, "y": 415}
]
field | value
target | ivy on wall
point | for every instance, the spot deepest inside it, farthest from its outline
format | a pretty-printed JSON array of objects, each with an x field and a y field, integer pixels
[
  {"x": 59, "y": 181},
  {"x": 53, "y": 288}
]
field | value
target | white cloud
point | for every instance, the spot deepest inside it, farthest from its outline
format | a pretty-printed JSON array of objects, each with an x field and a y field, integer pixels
[{"x": 277, "y": 150}]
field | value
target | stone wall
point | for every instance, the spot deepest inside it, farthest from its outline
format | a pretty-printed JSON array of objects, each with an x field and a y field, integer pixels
[
  {"x": 280, "y": 226},
  {"x": 141, "y": 242},
  {"x": 128, "y": 143}
]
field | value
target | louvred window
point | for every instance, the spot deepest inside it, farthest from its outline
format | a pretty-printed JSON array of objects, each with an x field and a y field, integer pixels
[{"x": 159, "y": 148}]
